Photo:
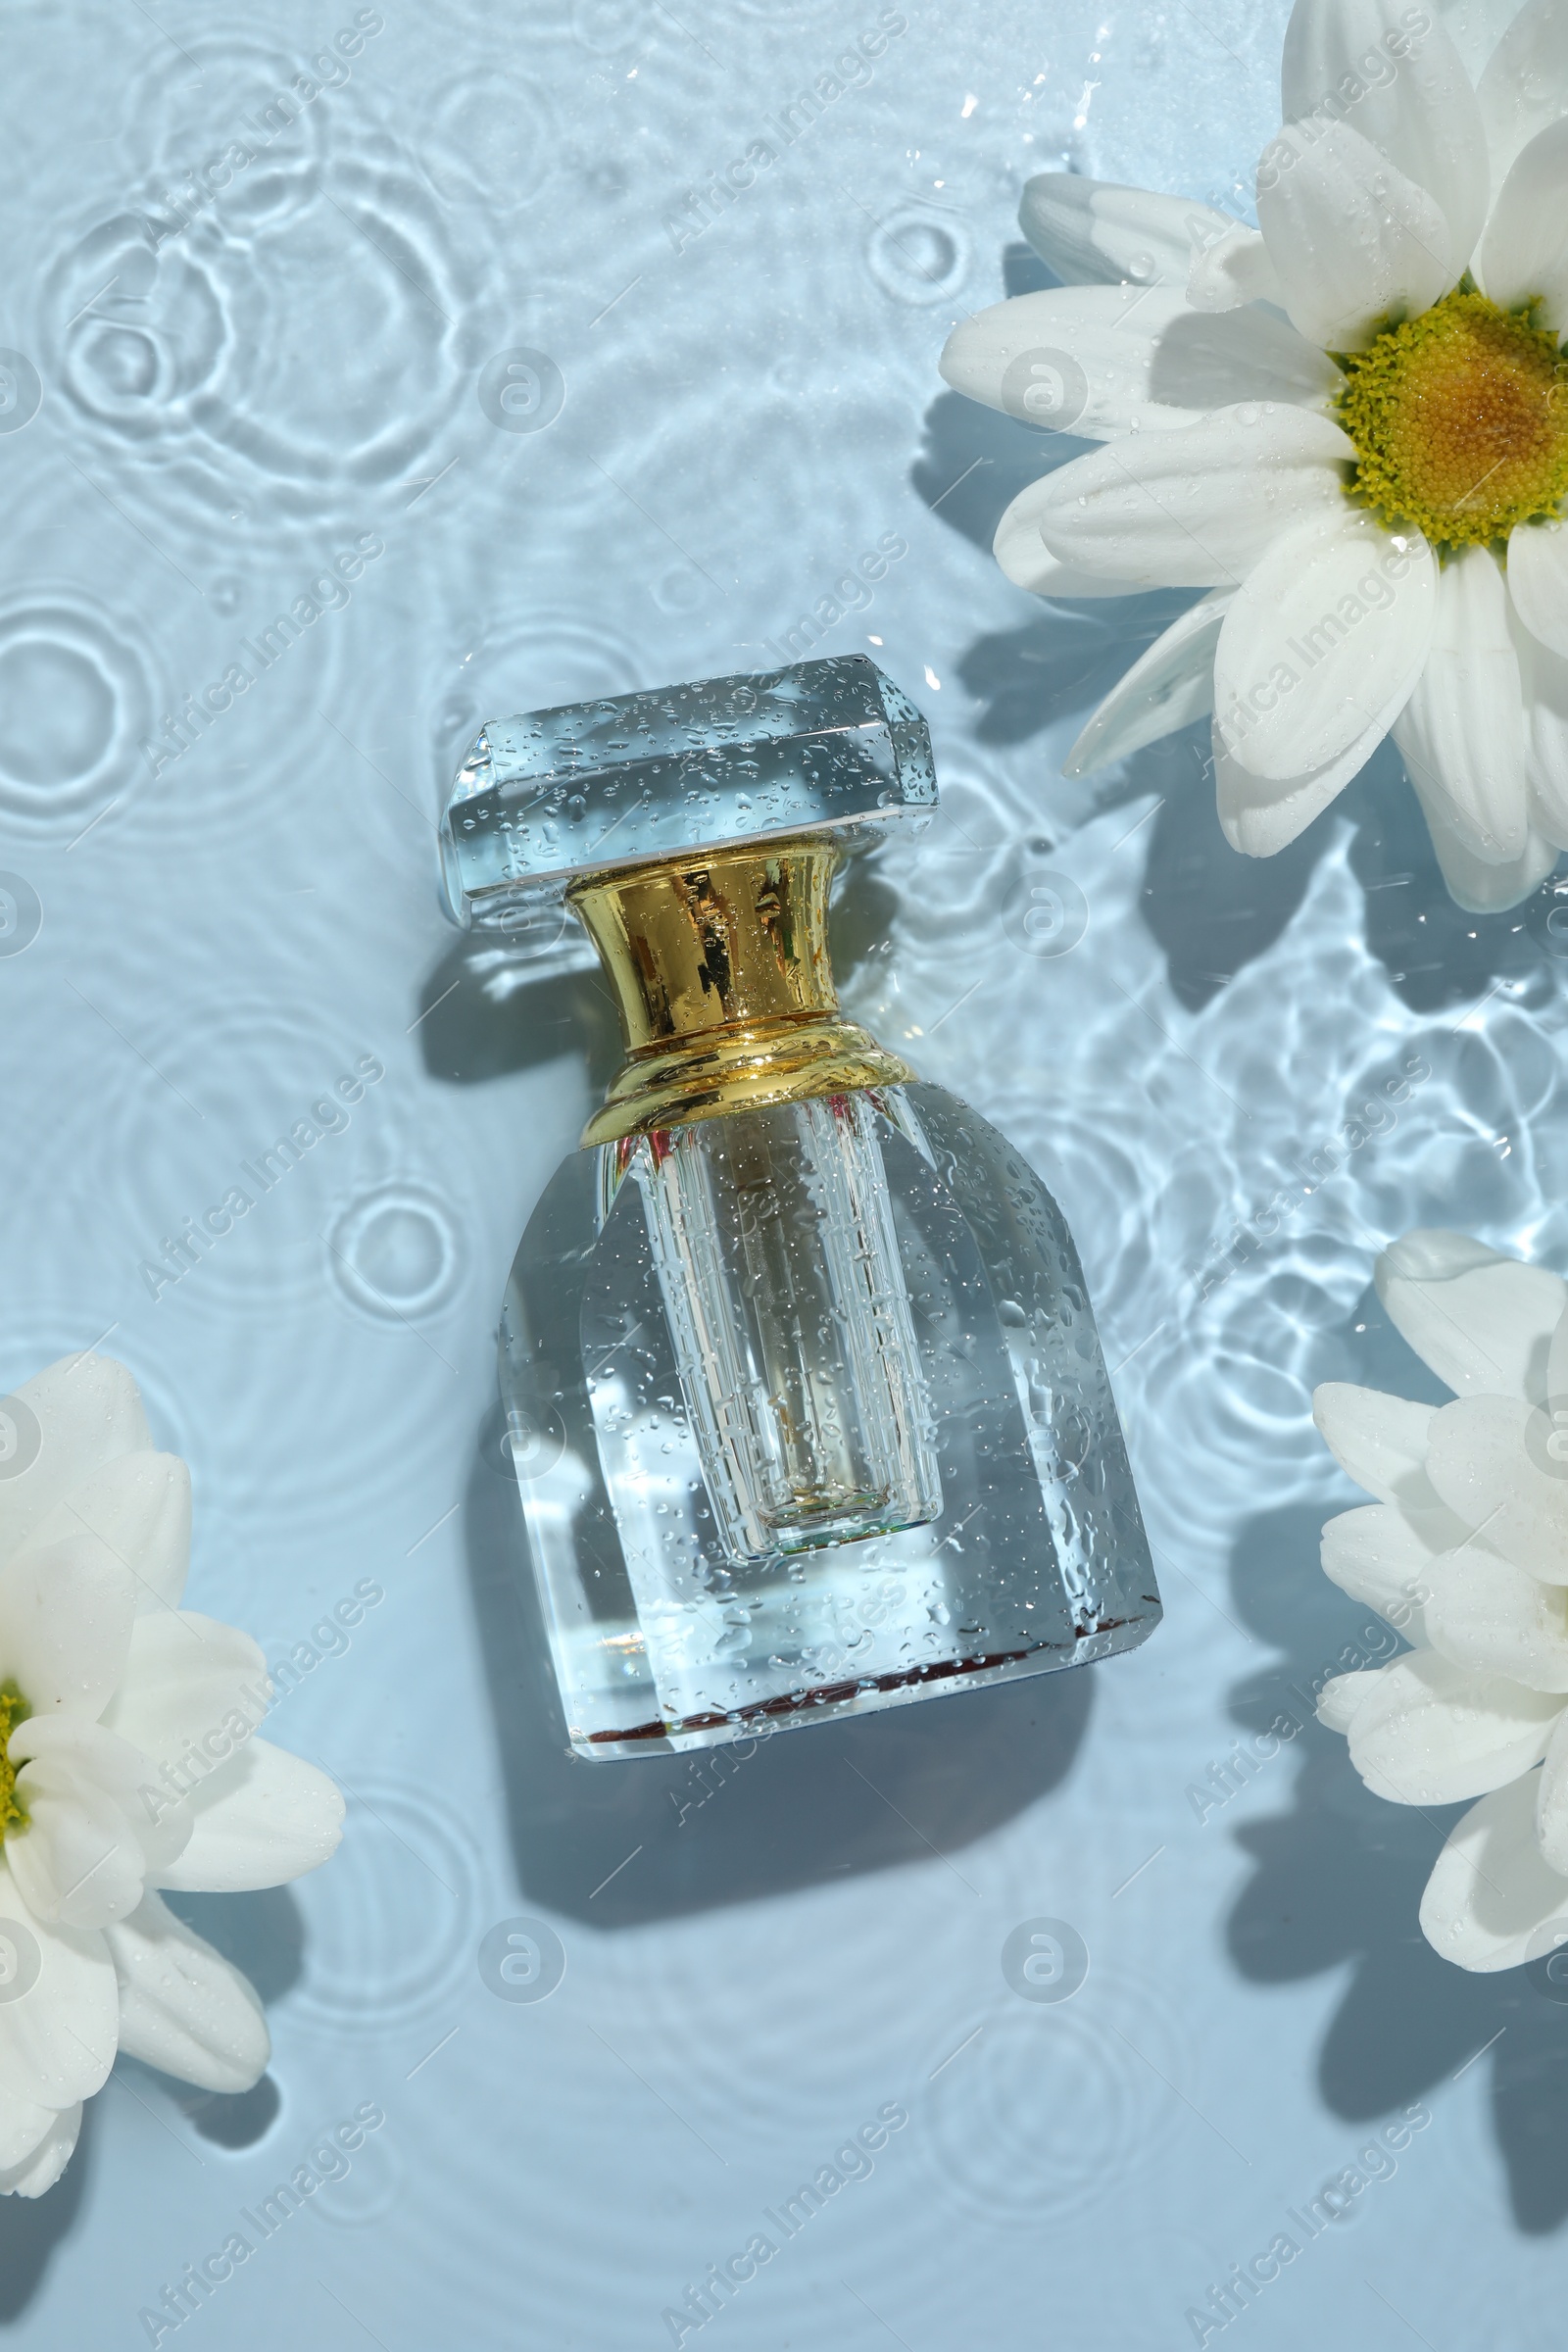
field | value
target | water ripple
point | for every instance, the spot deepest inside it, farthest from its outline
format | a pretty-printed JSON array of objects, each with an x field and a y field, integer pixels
[
  {"x": 525, "y": 657},
  {"x": 396, "y": 1251},
  {"x": 488, "y": 139},
  {"x": 221, "y": 125},
  {"x": 1054, "y": 2108},
  {"x": 392, "y": 1924},
  {"x": 211, "y": 345},
  {"x": 77, "y": 693}
]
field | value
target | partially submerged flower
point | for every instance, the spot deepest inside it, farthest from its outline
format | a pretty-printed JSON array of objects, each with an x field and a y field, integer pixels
[
  {"x": 128, "y": 1763},
  {"x": 1350, "y": 425},
  {"x": 1466, "y": 1553}
]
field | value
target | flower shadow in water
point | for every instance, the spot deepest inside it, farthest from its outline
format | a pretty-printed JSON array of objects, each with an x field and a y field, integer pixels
[
  {"x": 1336, "y": 1882},
  {"x": 30, "y": 2227},
  {"x": 1213, "y": 911},
  {"x": 262, "y": 1934},
  {"x": 1210, "y": 909}
]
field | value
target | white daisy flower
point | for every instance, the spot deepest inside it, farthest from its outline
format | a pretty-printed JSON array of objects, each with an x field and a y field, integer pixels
[
  {"x": 1350, "y": 425},
  {"x": 128, "y": 1763},
  {"x": 1465, "y": 1551}
]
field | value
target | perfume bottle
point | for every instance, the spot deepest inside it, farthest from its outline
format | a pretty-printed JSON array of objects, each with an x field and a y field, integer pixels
[{"x": 803, "y": 1393}]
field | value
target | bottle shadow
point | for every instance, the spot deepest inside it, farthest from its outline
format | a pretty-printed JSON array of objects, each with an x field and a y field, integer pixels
[
  {"x": 623, "y": 1843},
  {"x": 1337, "y": 1880},
  {"x": 1211, "y": 910}
]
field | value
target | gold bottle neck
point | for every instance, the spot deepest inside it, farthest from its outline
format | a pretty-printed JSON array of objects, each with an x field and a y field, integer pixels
[{"x": 724, "y": 985}]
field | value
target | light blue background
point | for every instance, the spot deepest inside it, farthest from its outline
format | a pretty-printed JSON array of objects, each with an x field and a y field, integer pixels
[{"x": 751, "y": 1971}]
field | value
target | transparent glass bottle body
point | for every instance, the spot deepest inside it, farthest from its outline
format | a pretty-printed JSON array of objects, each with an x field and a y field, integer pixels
[
  {"x": 778, "y": 1264},
  {"x": 810, "y": 1418}
]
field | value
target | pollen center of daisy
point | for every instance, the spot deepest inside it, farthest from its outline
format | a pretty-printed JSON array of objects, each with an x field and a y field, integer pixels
[
  {"x": 1460, "y": 422},
  {"x": 14, "y": 1710}
]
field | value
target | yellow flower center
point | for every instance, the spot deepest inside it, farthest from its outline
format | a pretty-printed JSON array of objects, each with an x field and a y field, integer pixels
[
  {"x": 1460, "y": 422},
  {"x": 14, "y": 1709}
]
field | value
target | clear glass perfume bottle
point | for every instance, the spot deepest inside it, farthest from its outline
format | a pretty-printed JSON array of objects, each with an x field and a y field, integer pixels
[{"x": 804, "y": 1396}]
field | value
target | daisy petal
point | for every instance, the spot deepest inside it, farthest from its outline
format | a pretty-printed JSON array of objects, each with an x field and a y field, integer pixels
[
  {"x": 1380, "y": 1442},
  {"x": 24, "y": 2127},
  {"x": 1029, "y": 563},
  {"x": 1355, "y": 241},
  {"x": 1491, "y": 1899},
  {"x": 1195, "y": 508},
  {"x": 1477, "y": 883},
  {"x": 57, "y": 2041},
  {"x": 140, "y": 1508},
  {"x": 1493, "y": 1618},
  {"x": 81, "y": 1859},
  {"x": 66, "y": 1614},
  {"x": 1324, "y": 643},
  {"x": 1235, "y": 269},
  {"x": 1076, "y": 358},
  {"x": 1523, "y": 254},
  {"x": 1343, "y": 1695},
  {"x": 182, "y": 2007},
  {"x": 72, "y": 1757},
  {"x": 88, "y": 1410},
  {"x": 1433, "y": 1732},
  {"x": 1377, "y": 1556},
  {"x": 1463, "y": 730},
  {"x": 1552, "y": 1801},
  {"x": 1538, "y": 582},
  {"x": 188, "y": 1684},
  {"x": 264, "y": 1817},
  {"x": 1204, "y": 360},
  {"x": 43, "y": 2167},
  {"x": 1475, "y": 27},
  {"x": 1408, "y": 94},
  {"x": 1168, "y": 688},
  {"x": 1105, "y": 361},
  {"x": 1485, "y": 1457},
  {"x": 1544, "y": 676},
  {"x": 1481, "y": 1321},
  {"x": 1525, "y": 84},
  {"x": 1093, "y": 232},
  {"x": 1260, "y": 818}
]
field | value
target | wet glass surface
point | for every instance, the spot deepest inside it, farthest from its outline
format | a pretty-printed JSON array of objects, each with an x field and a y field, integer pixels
[{"x": 371, "y": 373}]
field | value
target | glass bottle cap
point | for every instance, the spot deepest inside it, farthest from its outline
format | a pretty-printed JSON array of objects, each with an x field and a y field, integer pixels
[{"x": 551, "y": 796}]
